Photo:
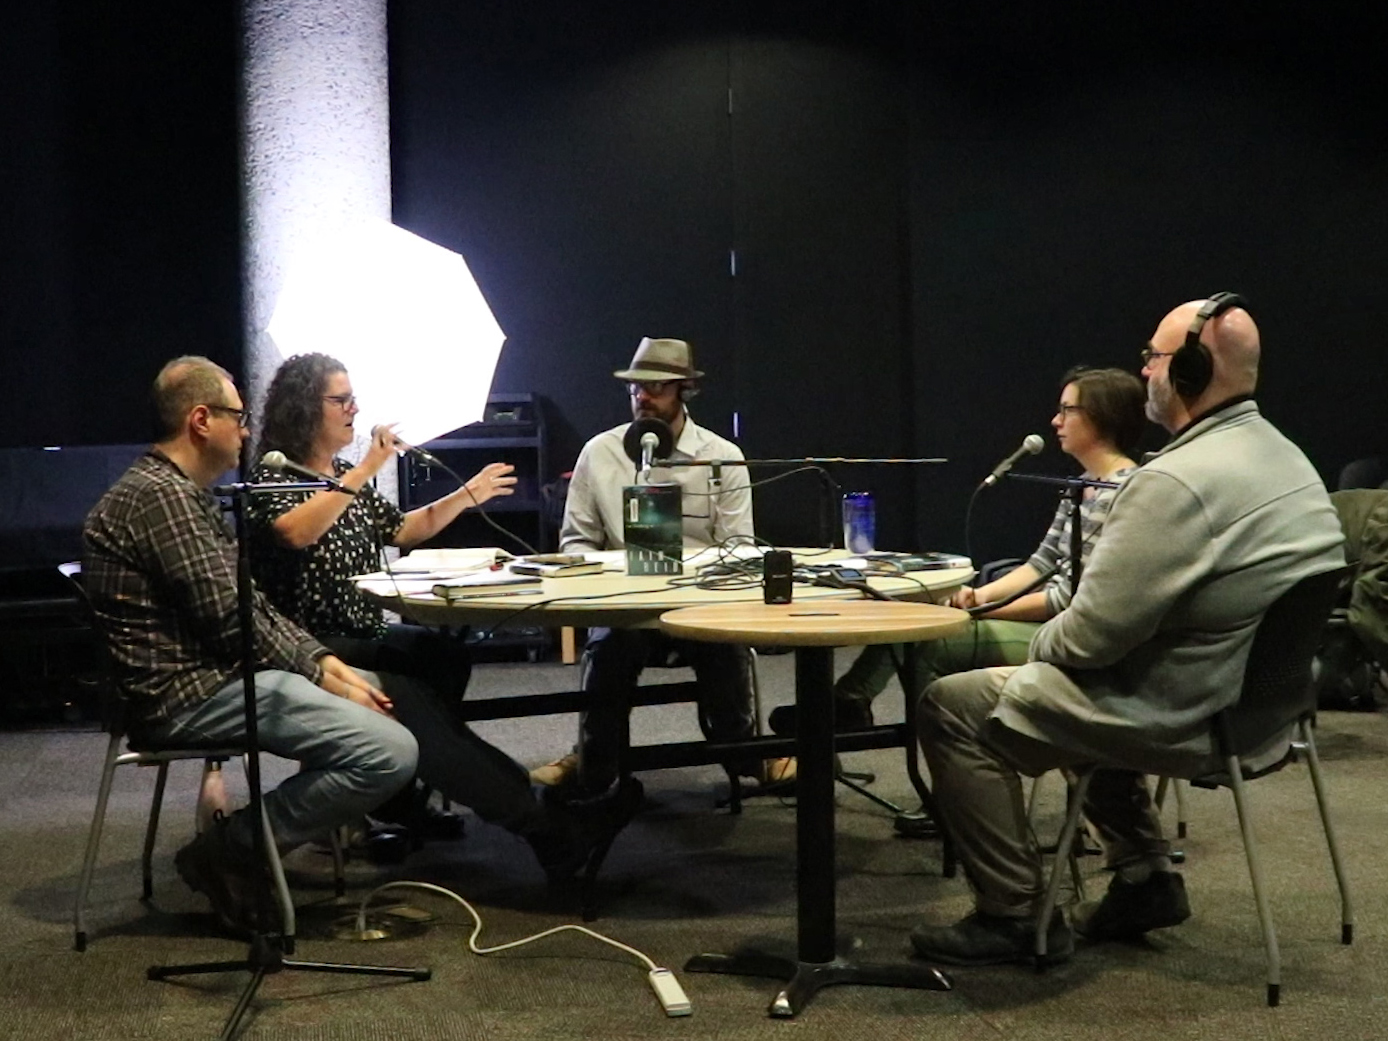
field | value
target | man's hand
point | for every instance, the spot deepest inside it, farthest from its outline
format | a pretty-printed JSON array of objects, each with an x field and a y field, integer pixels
[{"x": 341, "y": 679}]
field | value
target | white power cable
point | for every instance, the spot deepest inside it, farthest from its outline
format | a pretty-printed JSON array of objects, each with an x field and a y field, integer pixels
[{"x": 662, "y": 980}]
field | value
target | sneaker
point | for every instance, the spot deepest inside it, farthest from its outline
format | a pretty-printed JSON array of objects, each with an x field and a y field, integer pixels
[
  {"x": 563, "y": 770},
  {"x": 225, "y": 873},
  {"x": 1130, "y": 909},
  {"x": 984, "y": 939},
  {"x": 849, "y": 714}
]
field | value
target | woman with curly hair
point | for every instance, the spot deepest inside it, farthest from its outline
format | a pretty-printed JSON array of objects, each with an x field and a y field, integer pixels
[{"x": 309, "y": 544}]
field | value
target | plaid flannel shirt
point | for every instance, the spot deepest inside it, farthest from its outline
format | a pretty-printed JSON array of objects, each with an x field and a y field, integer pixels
[{"x": 160, "y": 569}]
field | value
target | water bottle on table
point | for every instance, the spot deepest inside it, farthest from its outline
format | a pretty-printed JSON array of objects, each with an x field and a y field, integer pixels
[{"x": 859, "y": 522}]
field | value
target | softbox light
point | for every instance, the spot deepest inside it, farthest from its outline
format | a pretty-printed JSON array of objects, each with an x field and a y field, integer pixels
[{"x": 406, "y": 318}]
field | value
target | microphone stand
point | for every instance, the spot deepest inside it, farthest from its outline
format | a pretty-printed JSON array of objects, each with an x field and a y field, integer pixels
[
  {"x": 831, "y": 487},
  {"x": 1073, "y": 489},
  {"x": 266, "y": 955}
]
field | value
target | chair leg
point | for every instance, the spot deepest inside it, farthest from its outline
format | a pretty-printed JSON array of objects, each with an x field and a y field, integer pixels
[
  {"x": 1179, "y": 787},
  {"x": 103, "y": 795},
  {"x": 336, "y": 842},
  {"x": 1255, "y": 873},
  {"x": 1313, "y": 767},
  {"x": 1063, "y": 847},
  {"x": 156, "y": 806}
]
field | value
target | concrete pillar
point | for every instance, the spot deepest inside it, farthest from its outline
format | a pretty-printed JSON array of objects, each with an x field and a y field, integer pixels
[{"x": 316, "y": 145}]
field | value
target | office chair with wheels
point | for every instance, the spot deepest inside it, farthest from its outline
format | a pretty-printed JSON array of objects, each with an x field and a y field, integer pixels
[{"x": 1276, "y": 704}]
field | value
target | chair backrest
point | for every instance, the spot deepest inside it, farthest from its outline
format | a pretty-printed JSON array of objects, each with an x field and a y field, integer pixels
[
  {"x": 1277, "y": 689},
  {"x": 112, "y": 701}
]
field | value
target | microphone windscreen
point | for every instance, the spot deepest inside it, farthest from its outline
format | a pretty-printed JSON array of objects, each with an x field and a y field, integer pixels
[
  {"x": 275, "y": 460},
  {"x": 631, "y": 440},
  {"x": 1033, "y": 444}
]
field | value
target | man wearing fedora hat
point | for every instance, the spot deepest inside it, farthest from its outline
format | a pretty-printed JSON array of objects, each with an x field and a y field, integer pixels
[{"x": 660, "y": 382}]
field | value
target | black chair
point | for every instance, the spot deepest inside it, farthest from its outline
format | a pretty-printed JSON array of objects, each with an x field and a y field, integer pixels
[{"x": 1276, "y": 704}]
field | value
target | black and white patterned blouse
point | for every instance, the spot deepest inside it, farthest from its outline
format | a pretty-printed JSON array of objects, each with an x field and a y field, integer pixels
[{"x": 311, "y": 585}]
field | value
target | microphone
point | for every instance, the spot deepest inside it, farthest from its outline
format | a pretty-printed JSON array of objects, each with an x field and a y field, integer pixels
[
  {"x": 1030, "y": 445},
  {"x": 423, "y": 455},
  {"x": 646, "y": 439},
  {"x": 280, "y": 461}
]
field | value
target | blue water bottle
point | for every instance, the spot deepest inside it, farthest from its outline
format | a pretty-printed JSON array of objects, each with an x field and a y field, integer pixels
[{"x": 859, "y": 522}]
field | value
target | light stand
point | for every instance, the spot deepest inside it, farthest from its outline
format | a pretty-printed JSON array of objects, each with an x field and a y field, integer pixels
[{"x": 266, "y": 955}]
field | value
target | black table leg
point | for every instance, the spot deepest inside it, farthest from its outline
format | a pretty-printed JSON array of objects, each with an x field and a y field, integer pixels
[{"x": 817, "y": 963}]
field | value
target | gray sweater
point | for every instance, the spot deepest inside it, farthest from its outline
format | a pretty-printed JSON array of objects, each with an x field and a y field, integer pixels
[{"x": 1197, "y": 545}]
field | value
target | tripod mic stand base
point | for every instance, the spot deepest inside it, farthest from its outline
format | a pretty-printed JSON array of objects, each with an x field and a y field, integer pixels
[{"x": 265, "y": 958}]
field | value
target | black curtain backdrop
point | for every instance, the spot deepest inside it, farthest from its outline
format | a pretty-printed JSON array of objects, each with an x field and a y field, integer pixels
[{"x": 935, "y": 210}]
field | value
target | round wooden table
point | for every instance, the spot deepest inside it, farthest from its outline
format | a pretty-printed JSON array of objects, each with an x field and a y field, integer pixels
[{"x": 814, "y": 629}]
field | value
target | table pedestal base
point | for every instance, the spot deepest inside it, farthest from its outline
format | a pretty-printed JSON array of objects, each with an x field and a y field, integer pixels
[{"x": 805, "y": 979}]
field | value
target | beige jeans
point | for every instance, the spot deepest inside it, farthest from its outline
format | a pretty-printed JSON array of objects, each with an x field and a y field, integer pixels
[{"x": 975, "y": 766}]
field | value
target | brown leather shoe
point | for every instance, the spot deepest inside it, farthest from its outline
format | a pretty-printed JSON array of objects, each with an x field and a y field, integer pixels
[{"x": 563, "y": 770}]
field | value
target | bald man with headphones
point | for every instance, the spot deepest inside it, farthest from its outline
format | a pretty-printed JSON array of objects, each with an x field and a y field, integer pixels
[{"x": 1199, "y": 541}]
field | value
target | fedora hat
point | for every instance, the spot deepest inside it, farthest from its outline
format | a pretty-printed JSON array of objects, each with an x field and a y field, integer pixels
[{"x": 660, "y": 360}]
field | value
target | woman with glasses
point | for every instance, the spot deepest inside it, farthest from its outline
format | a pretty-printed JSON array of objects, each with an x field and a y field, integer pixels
[
  {"x": 1098, "y": 423},
  {"x": 308, "y": 545}
]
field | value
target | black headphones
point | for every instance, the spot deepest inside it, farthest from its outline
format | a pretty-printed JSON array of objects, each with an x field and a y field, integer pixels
[
  {"x": 688, "y": 389},
  {"x": 1192, "y": 366}
]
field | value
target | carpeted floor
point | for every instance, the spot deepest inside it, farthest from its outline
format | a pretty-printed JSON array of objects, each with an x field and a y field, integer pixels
[{"x": 683, "y": 878}]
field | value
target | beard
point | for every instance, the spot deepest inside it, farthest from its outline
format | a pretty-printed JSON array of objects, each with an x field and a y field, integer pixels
[
  {"x": 1160, "y": 398},
  {"x": 665, "y": 413}
]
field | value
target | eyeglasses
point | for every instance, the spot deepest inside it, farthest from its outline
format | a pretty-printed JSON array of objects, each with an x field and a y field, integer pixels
[
  {"x": 1066, "y": 411},
  {"x": 342, "y": 401},
  {"x": 243, "y": 415},
  {"x": 653, "y": 388},
  {"x": 1148, "y": 353}
]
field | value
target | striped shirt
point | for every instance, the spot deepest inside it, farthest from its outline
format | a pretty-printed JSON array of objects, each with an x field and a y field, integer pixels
[
  {"x": 160, "y": 570},
  {"x": 1054, "y": 551}
]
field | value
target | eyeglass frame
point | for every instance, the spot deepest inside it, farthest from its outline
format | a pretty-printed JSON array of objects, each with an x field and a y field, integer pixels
[
  {"x": 1064, "y": 411},
  {"x": 342, "y": 401},
  {"x": 1149, "y": 352},
  {"x": 652, "y": 388},
  {"x": 243, "y": 415}
]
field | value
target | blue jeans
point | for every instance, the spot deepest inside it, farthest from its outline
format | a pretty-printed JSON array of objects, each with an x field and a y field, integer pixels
[{"x": 352, "y": 758}]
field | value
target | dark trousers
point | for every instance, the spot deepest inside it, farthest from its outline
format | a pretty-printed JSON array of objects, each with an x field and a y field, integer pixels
[
  {"x": 617, "y": 657},
  {"x": 452, "y": 759}
]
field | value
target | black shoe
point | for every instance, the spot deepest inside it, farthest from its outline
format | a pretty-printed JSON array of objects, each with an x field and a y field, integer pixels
[
  {"x": 849, "y": 714},
  {"x": 983, "y": 939},
  {"x": 1130, "y": 909},
  {"x": 226, "y": 874},
  {"x": 578, "y": 830},
  {"x": 916, "y": 824}
]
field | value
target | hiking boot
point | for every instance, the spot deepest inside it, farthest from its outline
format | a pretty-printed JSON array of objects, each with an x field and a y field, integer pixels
[
  {"x": 226, "y": 874},
  {"x": 1130, "y": 909},
  {"x": 984, "y": 939},
  {"x": 563, "y": 770},
  {"x": 849, "y": 714}
]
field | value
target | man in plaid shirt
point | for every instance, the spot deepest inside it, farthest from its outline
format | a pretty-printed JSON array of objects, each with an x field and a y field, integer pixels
[{"x": 160, "y": 568}]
